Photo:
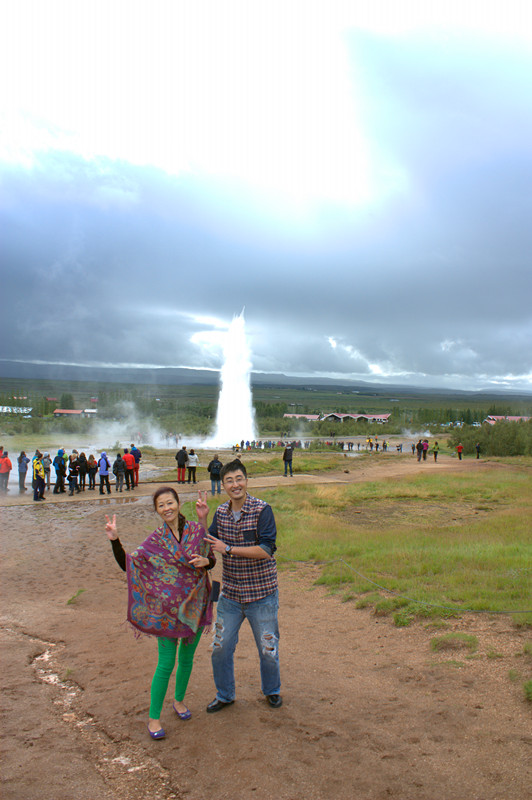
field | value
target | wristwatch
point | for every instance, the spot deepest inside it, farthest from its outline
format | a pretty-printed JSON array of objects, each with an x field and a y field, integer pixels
[{"x": 228, "y": 549}]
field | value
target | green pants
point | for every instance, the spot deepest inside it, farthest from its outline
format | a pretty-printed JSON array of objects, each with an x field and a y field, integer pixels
[{"x": 165, "y": 665}]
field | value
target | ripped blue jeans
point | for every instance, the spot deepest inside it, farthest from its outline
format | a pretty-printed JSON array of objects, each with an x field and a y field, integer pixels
[{"x": 262, "y": 616}]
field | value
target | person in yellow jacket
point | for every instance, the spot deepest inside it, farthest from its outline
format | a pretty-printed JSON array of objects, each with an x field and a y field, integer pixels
[{"x": 38, "y": 477}]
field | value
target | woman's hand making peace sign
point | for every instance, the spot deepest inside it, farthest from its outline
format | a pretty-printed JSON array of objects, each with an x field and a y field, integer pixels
[
  {"x": 202, "y": 509},
  {"x": 111, "y": 528}
]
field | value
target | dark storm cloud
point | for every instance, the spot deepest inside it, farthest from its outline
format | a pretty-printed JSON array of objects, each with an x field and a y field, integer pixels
[{"x": 106, "y": 262}]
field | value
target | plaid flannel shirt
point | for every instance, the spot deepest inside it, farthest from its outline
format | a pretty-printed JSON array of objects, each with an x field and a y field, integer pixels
[{"x": 246, "y": 579}]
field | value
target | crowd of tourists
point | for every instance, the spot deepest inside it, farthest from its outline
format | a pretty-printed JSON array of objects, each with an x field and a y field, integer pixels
[{"x": 74, "y": 472}]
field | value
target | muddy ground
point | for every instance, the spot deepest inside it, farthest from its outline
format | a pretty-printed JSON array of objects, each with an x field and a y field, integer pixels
[{"x": 369, "y": 710}]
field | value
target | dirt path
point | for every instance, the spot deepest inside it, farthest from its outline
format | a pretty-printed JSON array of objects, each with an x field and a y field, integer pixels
[{"x": 370, "y": 712}]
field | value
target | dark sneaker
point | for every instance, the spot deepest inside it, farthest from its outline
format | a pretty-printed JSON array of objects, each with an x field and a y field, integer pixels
[{"x": 275, "y": 700}]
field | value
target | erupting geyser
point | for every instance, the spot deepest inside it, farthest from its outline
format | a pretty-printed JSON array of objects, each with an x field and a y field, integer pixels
[{"x": 235, "y": 418}]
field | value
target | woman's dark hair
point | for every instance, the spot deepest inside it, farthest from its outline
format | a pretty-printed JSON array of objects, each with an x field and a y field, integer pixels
[
  {"x": 21, "y": 456},
  {"x": 181, "y": 521},
  {"x": 233, "y": 466}
]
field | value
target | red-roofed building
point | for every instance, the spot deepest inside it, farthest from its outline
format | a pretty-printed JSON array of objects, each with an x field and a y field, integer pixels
[
  {"x": 67, "y": 412},
  {"x": 379, "y": 418}
]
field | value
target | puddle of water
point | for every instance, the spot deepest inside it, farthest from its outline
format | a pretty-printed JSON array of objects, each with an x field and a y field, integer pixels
[{"x": 121, "y": 500}]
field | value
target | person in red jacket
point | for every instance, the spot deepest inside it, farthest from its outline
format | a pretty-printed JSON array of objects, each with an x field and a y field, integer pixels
[
  {"x": 459, "y": 450},
  {"x": 129, "y": 462},
  {"x": 5, "y": 468},
  {"x": 137, "y": 455}
]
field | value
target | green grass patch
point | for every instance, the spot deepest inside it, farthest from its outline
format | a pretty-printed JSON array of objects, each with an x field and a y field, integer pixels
[
  {"x": 348, "y": 596},
  {"x": 527, "y": 687},
  {"x": 367, "y": 600},
  {"x": 437, "y": 625},
  {"x": 402, "y": 619},
  {"x": 454, "y": 640}
]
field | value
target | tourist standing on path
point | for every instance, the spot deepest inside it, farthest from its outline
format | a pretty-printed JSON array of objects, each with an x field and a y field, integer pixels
[
  {"x": 243, "y": 531},
  {"x": 214, "y": 470},
  {"x": 119, "y": 470},
  {"x": 38, "y": 477},
  {"x": 419, "y": 448},
  {"x": 104, "y": 466},
  {"x": 174, "y": 610},
  {"x": 92, "y": 469},
  {"x": 435, "y": 450},
  {"x": 181, "y": 457},
  {"x": 287, "y": 458},
  {"x": 23, "y": 462},
  {"x": 5, "y": 468},
  {"x": 477, "y": 448},
  {"x": 60, "y": 472},
  {"x": 73, "y": 469},
  {"x": 425, "y": 448},
  {"x": 460, "y": 450},
  {"x": 82, "y": 472},
  {"x": 47, "y": 464},
  {"x": 129, "y": 463},
  {"x": 193, "y": 462},
  {"x": 137, "y": 455}
]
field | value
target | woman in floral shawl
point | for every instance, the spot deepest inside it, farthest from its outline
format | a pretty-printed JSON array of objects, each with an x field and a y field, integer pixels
[{"x": 168, "y": 595}]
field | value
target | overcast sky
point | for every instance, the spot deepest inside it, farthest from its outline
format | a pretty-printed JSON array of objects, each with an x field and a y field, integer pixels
[{"x": 358, "y": 175}]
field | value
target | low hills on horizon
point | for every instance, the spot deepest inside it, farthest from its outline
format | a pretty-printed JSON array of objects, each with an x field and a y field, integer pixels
[{"x": 168, "y": 376}]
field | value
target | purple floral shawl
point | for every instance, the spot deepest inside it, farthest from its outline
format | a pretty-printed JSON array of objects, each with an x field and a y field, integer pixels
[{"x": 167, "y": 596}]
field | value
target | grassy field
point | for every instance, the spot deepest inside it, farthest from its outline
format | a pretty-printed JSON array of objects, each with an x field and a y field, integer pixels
[
  {"x": 442, "y": 543},
  {"x": 262, "y": 463}
]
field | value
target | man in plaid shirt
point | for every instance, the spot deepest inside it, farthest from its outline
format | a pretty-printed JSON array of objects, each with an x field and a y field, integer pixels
[{"x": 243, "y": 531}]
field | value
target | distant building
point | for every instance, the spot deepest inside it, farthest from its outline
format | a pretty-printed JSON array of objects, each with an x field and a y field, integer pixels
[
  {"x": 337, "y": 417},
  {"x": 70, "y": 412},
  {"x": 15, "y": 410},
  {"x": 492, "y": 419}
]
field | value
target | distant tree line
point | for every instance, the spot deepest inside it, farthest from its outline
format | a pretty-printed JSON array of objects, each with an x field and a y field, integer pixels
[{"x": 501, "y": 439}]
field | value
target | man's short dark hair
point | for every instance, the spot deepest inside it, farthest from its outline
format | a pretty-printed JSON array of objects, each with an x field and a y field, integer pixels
[{"x": 233, "y": 466}]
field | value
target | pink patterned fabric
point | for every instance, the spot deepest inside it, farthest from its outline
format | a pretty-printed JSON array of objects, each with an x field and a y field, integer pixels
[{"x": 167, "y": 596}]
